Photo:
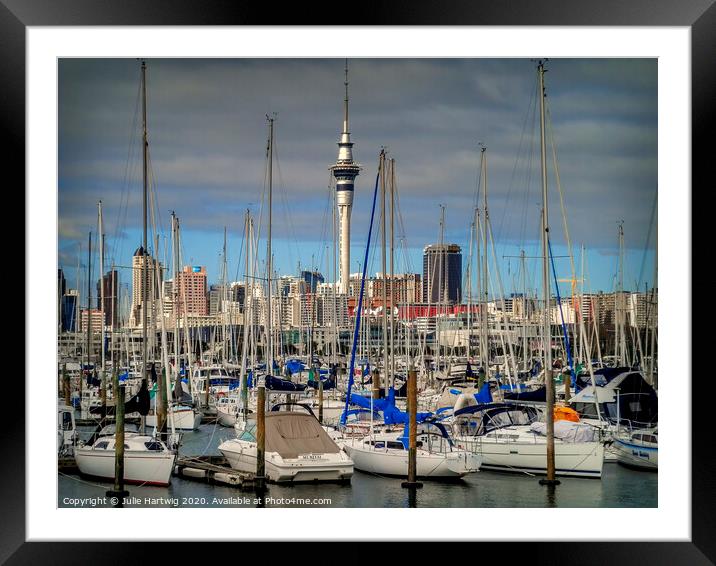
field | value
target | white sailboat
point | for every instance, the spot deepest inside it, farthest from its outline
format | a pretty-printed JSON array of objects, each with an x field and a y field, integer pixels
[
  {"x": 510, "y": 438},
  {"x": 638, "y": 449},
  {"x": 386, "y": 454},
  {"x": 147, "y": 459}
]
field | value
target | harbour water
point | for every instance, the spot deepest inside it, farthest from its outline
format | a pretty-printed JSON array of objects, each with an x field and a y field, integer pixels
[{"x": 619, "y": 487}]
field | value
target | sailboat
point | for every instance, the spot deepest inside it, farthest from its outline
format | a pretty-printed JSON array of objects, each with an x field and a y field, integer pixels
[
  {"x": 147, "y": 459},
  {"x": 385, "y": 451},
  {"x": 297, "y": 448},
  {"x": 517, "y": 438}
]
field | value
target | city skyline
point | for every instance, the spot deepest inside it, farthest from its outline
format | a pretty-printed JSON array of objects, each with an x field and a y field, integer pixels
[{"x": 209, "y": 167}]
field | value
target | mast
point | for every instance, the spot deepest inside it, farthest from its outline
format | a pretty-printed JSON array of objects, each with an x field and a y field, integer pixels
[
  {"x": 392, "y": 272},
  {"x": 621, "y": 311},
  {"x": 89, "y": 304},
  {"x": 103, "y": 391},
  {"x": 175, "y": 292},
  {"x": 245, "y": 338},
  {"x": 269, "y": 332},
  {"x": 101, "y": 274},
  {"x": 485, "y": 279},
  {"x": 549, "y": 383},
  {"x": 145, "y": 279},
  {"x": 384, "y": 337}
]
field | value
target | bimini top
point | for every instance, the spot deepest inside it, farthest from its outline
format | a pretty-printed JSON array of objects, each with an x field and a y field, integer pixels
[{"x": 291, "y": 434}]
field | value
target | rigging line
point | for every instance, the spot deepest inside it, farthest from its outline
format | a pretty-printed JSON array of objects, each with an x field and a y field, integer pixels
[
  {"x": 648, "y": 239},
  {"x": 529, "y": 179},
  {"x": 550, "y": 131},
  {"x": 292, "y": 240},
  {"x": 531, "y": 110},
  {"x": 125, "y": 183}
]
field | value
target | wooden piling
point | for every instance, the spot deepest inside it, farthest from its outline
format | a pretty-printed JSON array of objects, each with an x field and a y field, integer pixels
[
  {"x": 567, "y": 384},
  {"x": 376, "y": 384},
  {"x": 261, "y": 439},
  {"x": 320, "y": 400},
  {"x": 66, "y": 385},
  {"x": 161, "y": 401},
  {"x": 118, "y": 492},
  {"x": 412, "y": 430}
]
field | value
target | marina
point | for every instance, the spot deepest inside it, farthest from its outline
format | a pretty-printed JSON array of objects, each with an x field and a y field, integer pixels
[
  {"x": 619, "y": 487},
  {"x": 498, "y": 381}
]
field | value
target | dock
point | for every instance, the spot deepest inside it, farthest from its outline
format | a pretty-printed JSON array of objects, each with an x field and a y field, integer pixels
[{"x": 212, "y": 470}]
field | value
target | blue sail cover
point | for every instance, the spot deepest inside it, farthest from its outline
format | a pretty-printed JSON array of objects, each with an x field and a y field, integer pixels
[
  {"x": 484, "y": 395},
  {"x": 278, "y": 384},
  {"x": 391, "y": 413},
  {"x": 295, "y": 366},
  {"x": 536, "y": 395}
]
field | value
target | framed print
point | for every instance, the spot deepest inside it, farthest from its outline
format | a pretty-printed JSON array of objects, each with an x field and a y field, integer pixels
[{"x": 248, "y": 316}]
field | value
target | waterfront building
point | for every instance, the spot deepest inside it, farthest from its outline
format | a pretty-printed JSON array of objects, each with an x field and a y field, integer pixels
[
  {"x": 95, "y": 320},
  {"x": 191, "y": 290},
  {"x": 70, "y": 302},
  {"x": 442, "y": 274},
  {"x": 144, "y": 290},
  {"x": 110, "y": 281}
]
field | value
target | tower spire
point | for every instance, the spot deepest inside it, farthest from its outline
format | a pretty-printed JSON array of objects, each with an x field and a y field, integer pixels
[{"x": 345, "y": 101}]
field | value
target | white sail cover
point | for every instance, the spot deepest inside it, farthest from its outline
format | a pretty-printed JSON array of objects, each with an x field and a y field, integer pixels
[{"x": 568, "y": 431}]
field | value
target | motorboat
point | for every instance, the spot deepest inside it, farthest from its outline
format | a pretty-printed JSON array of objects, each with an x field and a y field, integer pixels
[
  {"x": 297, "y": 449},
  {"x": 638, "y": 449},
  {"x": 147, "y": 460},
  {"x": 386, "y": 453},
  {"x": 511, "y": 438},
  {"x": 185, "y": 417},
  {"x": 66, "y": 430}
]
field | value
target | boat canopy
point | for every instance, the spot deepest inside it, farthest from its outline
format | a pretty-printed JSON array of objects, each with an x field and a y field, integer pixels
[{"x": 291, "y": 434}]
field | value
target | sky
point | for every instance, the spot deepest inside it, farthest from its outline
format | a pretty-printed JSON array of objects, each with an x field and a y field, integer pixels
[{"x": 207, "y": 132}]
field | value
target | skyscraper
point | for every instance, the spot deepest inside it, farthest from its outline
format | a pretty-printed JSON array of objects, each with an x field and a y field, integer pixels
[
  {"x": 144, "y": 291},
  {"x": 442, "y": 273},
  {"x": 345, "y": 171},
  {"x": 192, "y": 292},
  {"x": 110, "y": 282}
]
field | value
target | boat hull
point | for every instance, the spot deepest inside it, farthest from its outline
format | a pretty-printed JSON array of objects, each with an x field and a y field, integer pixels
[
  {"x": 145, "y": 468},
  {"x": 578, "y": 459},
  {"x": 241, "y": 456},
  {"x": 225, "y": 417},
  {"x": 636, "y": 455},
  {"x": 428, "y": 465},
  {"x": 184, "y": 419}
]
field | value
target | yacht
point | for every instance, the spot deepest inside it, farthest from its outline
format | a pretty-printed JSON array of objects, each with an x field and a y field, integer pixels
[
  {"x": 386, "y": 454},
  {"x": 638, "y": 449},
  {"x": 297, "y": 449},
  {"x": 510, "y": 438},
  {"x": 147, "y": 460}
]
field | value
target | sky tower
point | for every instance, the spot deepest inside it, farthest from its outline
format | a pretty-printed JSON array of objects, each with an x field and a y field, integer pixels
[{"x": 345, "y": 171}]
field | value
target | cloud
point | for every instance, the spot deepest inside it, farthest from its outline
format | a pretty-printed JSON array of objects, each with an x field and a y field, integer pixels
[{"x": 207, "y": 143}]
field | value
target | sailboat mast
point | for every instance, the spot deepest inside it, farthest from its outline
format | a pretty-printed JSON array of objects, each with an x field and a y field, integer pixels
[
  {"x": 485, "y": 280},
  {"x": 269, "y": 336},
  {"x": 145, "y": 279},
  {"x": 546, "y": 289},
  {"x": 89, "y": 299},
  {"x": 101, "y": 276},
  {"x": 392, "y": 272},
  {"x": 385, "y": 281}
]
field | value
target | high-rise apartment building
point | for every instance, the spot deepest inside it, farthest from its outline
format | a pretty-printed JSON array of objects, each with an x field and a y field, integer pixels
[{"x": 442, "y": 274}]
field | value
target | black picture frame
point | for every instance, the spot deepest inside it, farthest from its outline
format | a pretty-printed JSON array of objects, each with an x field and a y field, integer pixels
[{"x": 699, "y": 15}]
